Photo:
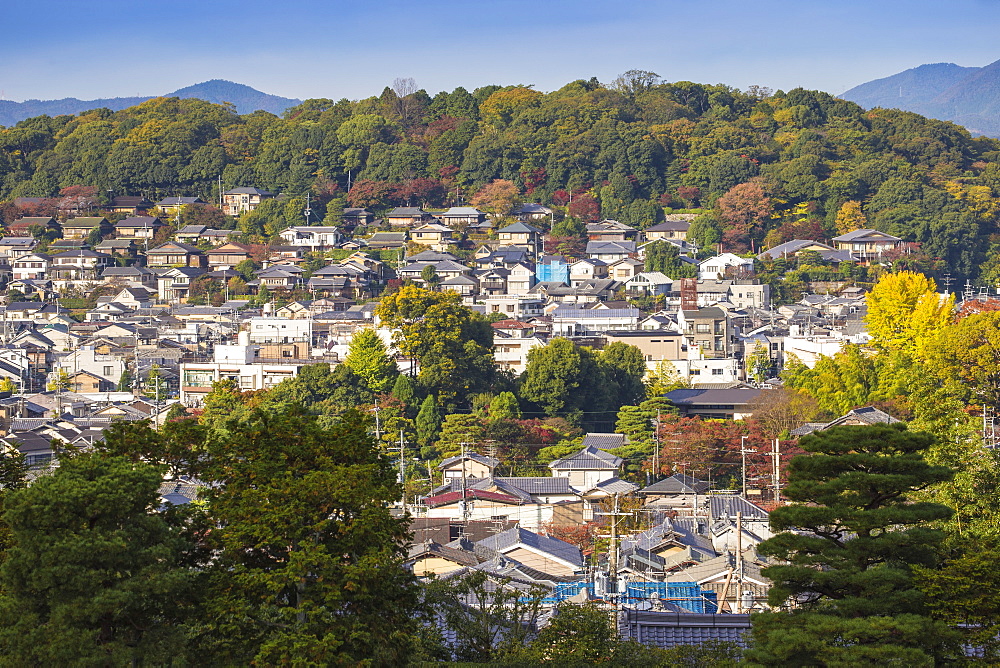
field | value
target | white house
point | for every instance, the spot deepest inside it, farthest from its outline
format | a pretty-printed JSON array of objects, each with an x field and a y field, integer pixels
[
  {"x": 313, "y": 238},
  {"x": 715, "y": 267}
]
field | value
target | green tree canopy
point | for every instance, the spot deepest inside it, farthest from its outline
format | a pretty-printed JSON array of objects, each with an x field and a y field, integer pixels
[{"x": 859, "y": 531}]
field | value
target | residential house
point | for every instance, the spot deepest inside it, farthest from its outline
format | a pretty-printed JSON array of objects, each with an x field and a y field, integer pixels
[
  {"x": 130, "y": 204},
  {"x": 541, "y": 553},
  {"x": 237, "y": 363},
  {"x": 81, "y": 227},
  {"x": 218, "y": 237},
  {"x": 435, "y": 235},
  {"x": 667, "y": 230},
  {"x": 587, "y": 468},
  {"x": 656, "y": 346},
  {"x": 531, "y": 212},
  {"x": 85, "y": 265},
  {"x": 313, "y": 238},
  {"x": 134, "y": 276},
  {"x": 521, "y": 235},
  {"x": 408, "y": 216},
  {"x": 108, "y": 368},
  {"x": 586, "y": 270},
  {"x": 241, "y": 199},
  {"x": 15, "y": 247},
  {"x": 610, "y": 230},
  {"x": 649, "y": 284},
  {"x": 119, "y": 247},
  {"x": 22, "y": 226},
  {"x": 514, "y": 306},
  {"x": 140, "y": 228},
  {"x": 173, "y": 205},
  {"x": 793, "y": 248},
  {"x": 710, "y": 329},
  {"x": 468, "y": 465},
  {"x": 32, "y": 266},
  {"x": 352, "y": 217},
  {"x": 174, "y": 283},
  {"x": 624, "y": 269},
  {"x": 174, "y": 254},
  {"x": 734, "y": 403},
  {"x": 868, "y": 245},
  {"x": 520, "y": 279},
  {"x": 586, "y": 292},
  {"x": 386, "y": 240},
  {"x": 610, "y": 251},
  {"x": 462, "y": 216},
  {"x": 510, "y": 349},
  {"x": 724, "y": 265},
  {"x": 463, "y": 285},
  {"x": 228, "y": 256},
  {"x": 285, "y": 277},
  {"x": 570, "y": 321}
]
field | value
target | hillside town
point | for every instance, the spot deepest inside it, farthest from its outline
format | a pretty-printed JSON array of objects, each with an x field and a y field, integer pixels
[{"x": 127, "y": 315}]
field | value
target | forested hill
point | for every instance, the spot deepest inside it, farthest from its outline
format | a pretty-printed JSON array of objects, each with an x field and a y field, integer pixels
[
  {"x": 245, "y": 98},
  {"x": 763, "y": 167}
]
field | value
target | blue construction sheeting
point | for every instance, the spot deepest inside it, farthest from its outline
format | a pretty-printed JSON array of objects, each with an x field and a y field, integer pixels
[{"x": 687, "y": 595}]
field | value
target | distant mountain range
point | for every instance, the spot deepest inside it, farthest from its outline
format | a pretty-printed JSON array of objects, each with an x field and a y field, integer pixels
[
  {"x": 246, "y": 99},
  {"x": 969, "y": 96}
]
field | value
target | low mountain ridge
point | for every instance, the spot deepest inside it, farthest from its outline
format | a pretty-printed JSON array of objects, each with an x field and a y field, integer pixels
[
  {"x": 245, "y": 98},
  {"x": 969, "y": 96}
]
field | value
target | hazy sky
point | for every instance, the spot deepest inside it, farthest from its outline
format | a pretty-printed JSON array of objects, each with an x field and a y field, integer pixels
[{"x": 311, "y": 48}]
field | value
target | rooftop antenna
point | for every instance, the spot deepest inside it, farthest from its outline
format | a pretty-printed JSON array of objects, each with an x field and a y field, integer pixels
[{"x": 947, "y": 279}]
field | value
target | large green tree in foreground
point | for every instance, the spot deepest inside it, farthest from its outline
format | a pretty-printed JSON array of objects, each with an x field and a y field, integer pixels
[
  {"x": 851, "y": 539},
  {"x": 96, "y": 576}
]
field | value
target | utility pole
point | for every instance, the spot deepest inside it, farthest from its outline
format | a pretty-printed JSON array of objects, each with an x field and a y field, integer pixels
[
  {"x": 463, "y": 503},
  {"x": 776, "y": 469},
  {"x": 739, "y": 562},
  {"x": 402, "y": 466},
  {"x": 743, "y": 468}
]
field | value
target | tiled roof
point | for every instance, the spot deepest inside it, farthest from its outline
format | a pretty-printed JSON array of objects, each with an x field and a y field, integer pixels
[
  {"x": 604, "y": 441},
  {"x": 677, "y": 484},
  {"x": 727, "y": 505},
  {"x": 518, "y": 536},
  {"x": 588, "y": 459},
  {"x": 470, "y": 493}
]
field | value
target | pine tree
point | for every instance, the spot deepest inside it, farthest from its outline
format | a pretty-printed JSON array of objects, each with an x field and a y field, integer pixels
[
  {"x": 858, "y": 532},
  {"x": 310, "y": 559},
  {"x": 96, "y": 573}
]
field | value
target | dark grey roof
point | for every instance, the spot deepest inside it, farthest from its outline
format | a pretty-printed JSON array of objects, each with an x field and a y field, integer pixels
[
  {"x": 589, "y": 458},
  {"x": 725, "y": 506},
  {"x": 861, "y": 234},
  {"x": 519, "y": 536},
  {"x": 536, "y": 486},
  {"x": 696, "y": 397},
  {"x": 473, "y": 456},
  {"x": 604, "y": 441},
  {"x": 519, "y": 228},
  {"x": 677, "y": 484},
  {"x": 247, "y": 190}
]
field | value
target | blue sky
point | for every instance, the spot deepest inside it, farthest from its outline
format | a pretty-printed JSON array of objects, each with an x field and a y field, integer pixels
[{"x": 308, "y": 48}]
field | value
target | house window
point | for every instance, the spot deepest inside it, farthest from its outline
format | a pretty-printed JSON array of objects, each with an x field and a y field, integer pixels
[
  {"x": 716, "y": 372},
  {"x": 246, "y": 382},
  {"x": 695, "y": 372},
  {"x": 703, "y": 328},
  {"x": 108, "y": 370}
]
